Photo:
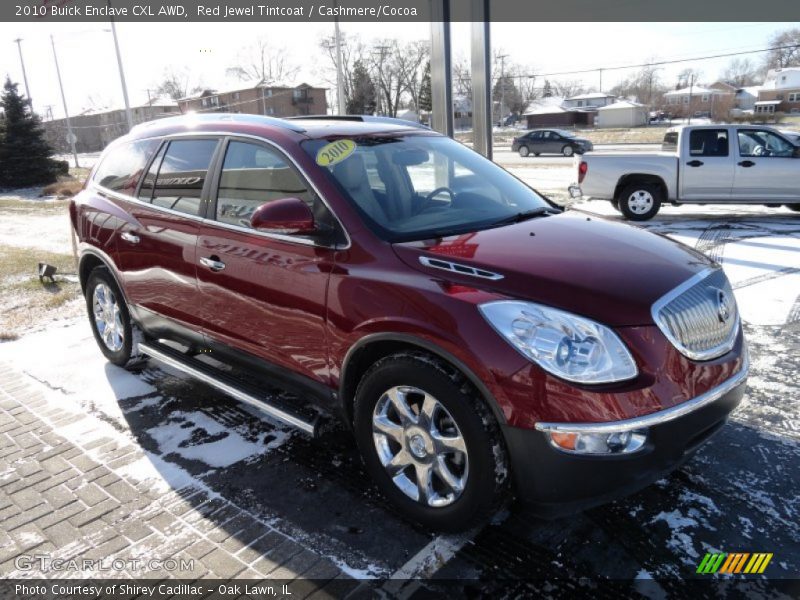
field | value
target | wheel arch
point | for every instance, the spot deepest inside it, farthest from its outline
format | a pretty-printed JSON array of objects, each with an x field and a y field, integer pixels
[
  {"x": 89, "y": 260},
  {"x": 371, "y": 348},
  {"x": 641, "y": 178}
]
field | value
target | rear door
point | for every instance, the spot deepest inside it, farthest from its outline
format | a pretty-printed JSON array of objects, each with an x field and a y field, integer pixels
[
  {"x": 264, "y": 293},
  {"x": 706, "y": 165},
  {"x": 157, "y": 248},
  {"x": 765, "y": 166}
]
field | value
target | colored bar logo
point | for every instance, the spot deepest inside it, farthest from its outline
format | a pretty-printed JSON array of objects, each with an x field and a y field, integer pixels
[{"x": 734, "y": 562}]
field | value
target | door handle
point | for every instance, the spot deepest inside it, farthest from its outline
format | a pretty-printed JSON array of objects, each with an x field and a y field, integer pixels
[
  {"x": 129, "y": 237},
  {"x": 212, "y": 263},
  {"x": 695, "y": 163},
  {"x": 747, "y": 163}
]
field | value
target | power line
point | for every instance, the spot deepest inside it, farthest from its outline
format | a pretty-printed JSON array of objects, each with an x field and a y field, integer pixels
[{"x": 664, "y": 62}]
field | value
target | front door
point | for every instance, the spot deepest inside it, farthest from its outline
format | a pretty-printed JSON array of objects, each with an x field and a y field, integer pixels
[
  {"x": 263, "y": 293},
  {"x": 157, "y": 247},
  {"x": 706, "y": 165},
  {"x": 766, "y": 168}
]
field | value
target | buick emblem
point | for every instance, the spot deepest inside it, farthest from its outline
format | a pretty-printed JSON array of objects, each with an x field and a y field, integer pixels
[{"x": 723, "y": 307}]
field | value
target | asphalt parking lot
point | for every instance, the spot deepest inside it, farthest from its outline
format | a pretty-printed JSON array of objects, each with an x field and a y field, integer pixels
[{"x": 739, "y": 493}]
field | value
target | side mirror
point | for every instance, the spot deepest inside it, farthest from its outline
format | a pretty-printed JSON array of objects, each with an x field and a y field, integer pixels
[{"x": 286, "y": 215}]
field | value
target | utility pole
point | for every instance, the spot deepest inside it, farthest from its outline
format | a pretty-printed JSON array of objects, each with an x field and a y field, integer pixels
[
  {"x": 502, "y": 58},
  {"x": 339, "y": 72},
  {"x": 24, "y": 74},
  {"x": 601, "y": 80},
  {"x": 70, "y": 136},
  {"x": 128, "y": 113},
  {"x": 382, "y": 54},
  {"x": 691, "y": 89}
]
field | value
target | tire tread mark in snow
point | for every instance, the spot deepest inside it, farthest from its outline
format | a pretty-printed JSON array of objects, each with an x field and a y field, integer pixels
[{"x": 766, "y": 277}]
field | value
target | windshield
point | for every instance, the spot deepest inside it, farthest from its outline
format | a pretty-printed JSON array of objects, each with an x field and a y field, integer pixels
[{"x": 411, "y": 187}]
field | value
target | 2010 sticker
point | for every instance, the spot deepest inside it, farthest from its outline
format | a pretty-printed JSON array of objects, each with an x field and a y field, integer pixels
[{"x": 335, "y": 152}]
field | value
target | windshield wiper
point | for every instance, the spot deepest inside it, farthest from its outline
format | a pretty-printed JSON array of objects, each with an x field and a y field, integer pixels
[{"x": 519, "y": 217}]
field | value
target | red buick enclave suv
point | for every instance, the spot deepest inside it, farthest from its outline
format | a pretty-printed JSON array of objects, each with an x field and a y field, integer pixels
[{"x": 479, "y": 341}]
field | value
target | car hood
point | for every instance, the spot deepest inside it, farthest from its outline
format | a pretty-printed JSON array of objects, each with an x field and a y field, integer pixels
[{"x": 607, "y": 271}]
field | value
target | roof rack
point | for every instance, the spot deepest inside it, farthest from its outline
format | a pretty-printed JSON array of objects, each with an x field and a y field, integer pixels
[
  {"x": 360, "y": 118},
  {"x": 220, "y": 116}
]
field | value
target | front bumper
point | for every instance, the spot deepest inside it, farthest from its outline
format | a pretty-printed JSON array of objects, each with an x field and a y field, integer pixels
[{"x": 554, "y": 482}]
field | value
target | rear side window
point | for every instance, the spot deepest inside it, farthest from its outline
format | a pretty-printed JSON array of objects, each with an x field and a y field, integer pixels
[
  {"x": 670, "y": 143},
  {"x": 182, "y": 174},
  {"x": 122, "y": 168},
  {"x": 708, "y": 142}
]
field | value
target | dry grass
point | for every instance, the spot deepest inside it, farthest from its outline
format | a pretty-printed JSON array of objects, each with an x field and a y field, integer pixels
[
  {"x": 26, "y": 302},
  {"x": 63, "y": 189},
  {"x": 19, "y": 206}
]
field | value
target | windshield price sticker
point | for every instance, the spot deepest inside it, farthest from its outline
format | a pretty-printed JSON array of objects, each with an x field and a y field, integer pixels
[{"x": 335, "y": 152}]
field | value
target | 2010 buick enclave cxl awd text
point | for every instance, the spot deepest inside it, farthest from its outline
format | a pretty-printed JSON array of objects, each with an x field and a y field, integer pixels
[{"x": 479, "y": 342}]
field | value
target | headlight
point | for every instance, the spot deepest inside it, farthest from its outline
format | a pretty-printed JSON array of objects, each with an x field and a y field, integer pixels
[{"x": 566, "y": 345}]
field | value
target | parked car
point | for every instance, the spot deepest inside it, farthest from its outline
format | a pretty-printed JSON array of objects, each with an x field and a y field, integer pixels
[
  {"x": 417, "y": 294},
  {"x": 550, "y": 141},
  {"x": 704, "y": 164}
]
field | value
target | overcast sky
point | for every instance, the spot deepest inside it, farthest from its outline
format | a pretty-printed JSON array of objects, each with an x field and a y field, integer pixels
[{"x": 89, "y": 69}]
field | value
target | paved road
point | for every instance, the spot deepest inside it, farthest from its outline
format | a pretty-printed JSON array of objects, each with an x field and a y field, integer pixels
[{"x": 313, "y": 498}]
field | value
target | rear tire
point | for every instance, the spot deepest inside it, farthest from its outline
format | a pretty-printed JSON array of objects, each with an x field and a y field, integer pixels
[
  {"x": 640, "y": 201},
  {"x": 111, "y": 323},
  {"x": 462, "y": 464},
  {"x": 567, "y": 151},
  {"x": 524, "y": 151}
]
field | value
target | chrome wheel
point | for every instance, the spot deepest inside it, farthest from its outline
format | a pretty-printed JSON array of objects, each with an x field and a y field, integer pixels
[
  {"x": 107, "y": 318},
  {"x": 640, "y": 202},
  {"x": 420, "y": 445}
]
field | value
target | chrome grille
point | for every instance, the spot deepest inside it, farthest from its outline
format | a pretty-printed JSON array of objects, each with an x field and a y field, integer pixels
[{"x": 700, "y": 316}]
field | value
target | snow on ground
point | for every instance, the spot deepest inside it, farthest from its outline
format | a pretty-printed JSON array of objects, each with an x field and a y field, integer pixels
[{"x": 43, "y": 232}]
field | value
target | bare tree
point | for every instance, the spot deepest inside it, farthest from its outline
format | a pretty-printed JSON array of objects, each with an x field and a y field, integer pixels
[
  {"x": 411, "y": 61},
  {"x": 786, "y": 52},
  {"x": 176, "y": 83},
  {"x": 740, "y": 72},
  {"x": 689, "y": 77},
  {"x": 644, "y": 86},
  {"x": 261, "y": 62},
  {"x": 567, "y": 89}
]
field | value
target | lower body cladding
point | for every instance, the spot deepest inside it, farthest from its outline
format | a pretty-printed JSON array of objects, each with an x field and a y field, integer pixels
[{"x": 555, "y": 481}]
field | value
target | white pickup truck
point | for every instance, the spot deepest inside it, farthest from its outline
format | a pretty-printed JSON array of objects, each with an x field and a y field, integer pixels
[{"x": 704, "y": 164}]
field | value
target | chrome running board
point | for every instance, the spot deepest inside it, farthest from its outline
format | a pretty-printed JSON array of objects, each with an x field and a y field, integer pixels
[{"x": 225, "y": 383}]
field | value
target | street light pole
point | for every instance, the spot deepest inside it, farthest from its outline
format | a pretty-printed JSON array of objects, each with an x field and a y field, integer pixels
[
  {"x": 128, "y": 114},
  {"x": 339, "y": 70},
  {"x": 70, "y": 136},
  {"x": 24, "y": 74},
  {"x": 502, "y": 58}
]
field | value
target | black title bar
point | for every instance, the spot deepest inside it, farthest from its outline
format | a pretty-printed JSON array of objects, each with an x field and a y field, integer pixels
[{"x": 396, "y": 10}]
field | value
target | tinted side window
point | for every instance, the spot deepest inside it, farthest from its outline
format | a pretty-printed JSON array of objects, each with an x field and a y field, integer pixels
[
  {"x": 122, "y": 167},
  {"x": 708, "y": 142},
  {"x": 183, "y": 172},
  {"x": 253, "y": 175}
]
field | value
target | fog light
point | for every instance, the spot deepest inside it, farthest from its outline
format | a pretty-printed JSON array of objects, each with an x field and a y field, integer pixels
[{"x": 618, "y": 442}]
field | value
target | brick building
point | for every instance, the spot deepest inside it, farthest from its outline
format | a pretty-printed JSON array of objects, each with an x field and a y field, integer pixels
[
  {"x": 780, "y": 92},
  {"x": 260, "y": 99}
]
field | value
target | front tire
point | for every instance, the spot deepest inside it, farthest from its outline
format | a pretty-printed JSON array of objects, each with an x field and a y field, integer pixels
[
  {"x": 567, "y": 151},
  {"x": 640, "y": 201},
  {"x": 524, "y": 151},
  {"x": 110, "y": 320},
  {"x": 429, "y": 442}
]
